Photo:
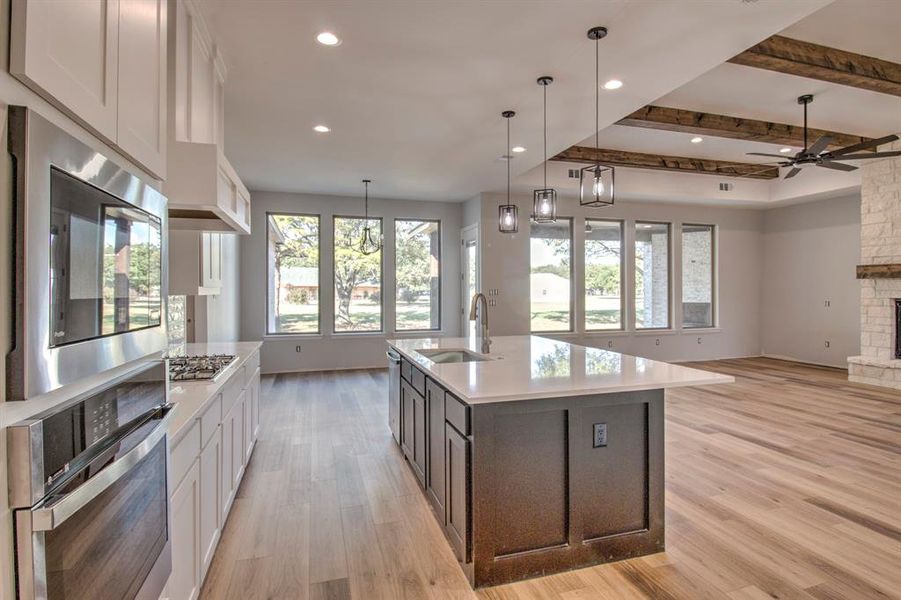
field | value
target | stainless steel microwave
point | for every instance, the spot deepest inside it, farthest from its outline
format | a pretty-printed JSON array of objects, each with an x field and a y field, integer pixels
[{"x": 90, "y": 260}]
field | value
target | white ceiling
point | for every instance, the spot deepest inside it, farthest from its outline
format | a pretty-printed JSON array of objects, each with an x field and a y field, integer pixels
[
  {"x": 864, "y": 26},
  {"x": 414, "y": 93}
]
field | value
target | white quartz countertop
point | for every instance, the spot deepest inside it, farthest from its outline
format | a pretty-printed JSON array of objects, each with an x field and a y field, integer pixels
[
  {"x": 526, "y": 367},
  {"x": 192, "y": 397}
]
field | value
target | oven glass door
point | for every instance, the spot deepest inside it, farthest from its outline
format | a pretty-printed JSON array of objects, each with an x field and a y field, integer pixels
[
  {"x": 105, "y": 263},
  {"x": 108, "y": 547}
]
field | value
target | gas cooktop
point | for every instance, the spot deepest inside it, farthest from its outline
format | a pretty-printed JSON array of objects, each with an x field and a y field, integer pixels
[{"x": 198, "y": 368}]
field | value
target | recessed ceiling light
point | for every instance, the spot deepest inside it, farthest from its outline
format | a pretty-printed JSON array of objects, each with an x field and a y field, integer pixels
[
  {"x": 613, "y": 84},
  {"x": 518, "y": 149},
  {"x": 697, "y": 139},
  {"x": 327, "y": 38},
  {"x": 785, "y": 150},
  {"x": 321, "y": 129}
]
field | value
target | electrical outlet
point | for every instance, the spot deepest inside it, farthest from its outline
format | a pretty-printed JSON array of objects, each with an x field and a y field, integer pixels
[
  {"x": 610, "y": 344},
  {"x": 827, "y": 343},
  {"x": 657, "y": 342},
  {"x": 699, "y": 340},
  {"x": 827, "y": 303},
  {"x": 297, "y": 348},
  {"x": 600, "y": 435}
]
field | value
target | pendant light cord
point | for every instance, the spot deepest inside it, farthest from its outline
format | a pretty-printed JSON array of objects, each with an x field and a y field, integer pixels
[
  {"x": 597, "y": 93},
  {"x": 509, "y": 157},
  {"x": 545, "y": 135}
]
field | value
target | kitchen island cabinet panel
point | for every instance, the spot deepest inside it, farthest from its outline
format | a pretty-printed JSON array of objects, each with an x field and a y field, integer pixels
[{"x": 435, "y": 476}]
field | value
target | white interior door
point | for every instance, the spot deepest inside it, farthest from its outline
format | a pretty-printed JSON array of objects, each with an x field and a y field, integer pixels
[{"x": 469, "y": 262}]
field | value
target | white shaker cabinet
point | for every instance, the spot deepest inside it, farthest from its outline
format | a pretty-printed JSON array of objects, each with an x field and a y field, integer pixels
[
  {"x": 104, "y": 63},
  {"x": 68, "y": 52},
  {"x": 184, "y": 582},
  {"x": 210, "y": 499},
  {"x": 142, "y": 82},
  {"x": 195, "y": 263}
]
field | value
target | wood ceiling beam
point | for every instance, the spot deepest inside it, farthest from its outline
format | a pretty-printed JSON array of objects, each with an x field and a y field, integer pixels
[
  {"x": 713, "y": 125},
  {"x": 805, "y": 59},
  {"x": 679, "y": 164}
]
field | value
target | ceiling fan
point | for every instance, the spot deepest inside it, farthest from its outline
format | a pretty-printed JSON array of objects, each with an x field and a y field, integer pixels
[{"x": 816, "y": 156}]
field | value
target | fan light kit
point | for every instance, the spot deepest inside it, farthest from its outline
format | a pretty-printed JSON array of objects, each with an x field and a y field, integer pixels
[
  {"x": 327, "y": 38},
  {"x": 596, "y": 181},
  {"x": 368, "y": 242},
  {"x": 321, "y": 129},
  {"x": 544, "y": 201},
  {"x": 508, "y": 214},
  {"x": 816, "y": 155}
]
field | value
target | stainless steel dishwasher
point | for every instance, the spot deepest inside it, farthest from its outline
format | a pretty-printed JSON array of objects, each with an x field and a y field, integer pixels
[{"x": 394, "y": 393}]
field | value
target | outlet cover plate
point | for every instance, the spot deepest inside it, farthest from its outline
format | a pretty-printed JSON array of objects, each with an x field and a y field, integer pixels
[{"x": 600, "y": 435}]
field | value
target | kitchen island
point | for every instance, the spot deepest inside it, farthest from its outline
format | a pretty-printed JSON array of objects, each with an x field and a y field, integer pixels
[{"x": 539, "y": 457}]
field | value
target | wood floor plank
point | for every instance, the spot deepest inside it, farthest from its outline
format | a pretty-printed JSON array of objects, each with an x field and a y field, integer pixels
[{"x": 783, "y": 485}]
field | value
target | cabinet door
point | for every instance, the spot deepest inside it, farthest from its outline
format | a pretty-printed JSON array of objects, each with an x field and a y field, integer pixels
[
  {"x": 211, "y": 260},
  {"x": 420, "y": 447},
  {"x": 210, "y": 499},
  {"x": 68, "y": 52},
  {"x": 248, "y": 424},
  {"x": 457, "y": 501},
  {"x": 184, "y": 582},
  {"x": 142, "y": 83},
  {"x": 434, "y": 399},
  {"x": 406, "y": 413},
  {"x": 255, "y": 404},
  {"x": 237, "y": 442},
  {"x": 228, "y": 436}
]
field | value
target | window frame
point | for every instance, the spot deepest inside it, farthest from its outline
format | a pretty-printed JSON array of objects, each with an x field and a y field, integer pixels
[
  {"x": 669, "y": 276},
  {"x": 381, "y": 329},
  {"x": 440, "y": 276},
  {"x": 714, "y": 280},
  {"x": 623, "y": 289},
  {"x": 572, "y": 278},
  {"x": 318, "y": 218}
]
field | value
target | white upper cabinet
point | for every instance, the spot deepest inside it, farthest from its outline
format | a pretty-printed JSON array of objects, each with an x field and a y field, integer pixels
[
  {"x": 101, "y": 61},
  {"x": 68, "y": 52},
  {"x": 204, "y": 190},
  {"x": 142, "y": 82}
]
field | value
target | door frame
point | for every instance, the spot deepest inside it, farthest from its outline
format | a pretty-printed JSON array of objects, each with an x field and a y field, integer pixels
[{"x": 470, "y": 234}]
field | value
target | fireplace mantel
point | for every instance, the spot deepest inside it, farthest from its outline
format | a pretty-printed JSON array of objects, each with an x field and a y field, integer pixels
[{"x": 886, "y": 271}]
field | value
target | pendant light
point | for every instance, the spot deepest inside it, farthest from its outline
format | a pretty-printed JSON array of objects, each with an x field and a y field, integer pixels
[
  {"x": 544, "y": 201},
  {"x": 507, "y": 214},
  {"x": 368, "y": 242},
  {"x": 596, "y": 180}
]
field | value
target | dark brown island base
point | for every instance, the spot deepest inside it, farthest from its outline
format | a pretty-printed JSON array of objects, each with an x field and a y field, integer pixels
[{"x": 533, "y": 486}]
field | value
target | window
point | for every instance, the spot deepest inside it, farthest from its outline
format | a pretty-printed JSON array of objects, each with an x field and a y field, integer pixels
[
  {"x": 292, "y": 258},
  {"x": 652, "y": 252},
  {"x": 417, "y": 270},
  {"x": 603, "y": 274},
  {"x": 697, "y": 275},
  {"x": 550, "y": 275},
  {"x": 358, "y": 277}
]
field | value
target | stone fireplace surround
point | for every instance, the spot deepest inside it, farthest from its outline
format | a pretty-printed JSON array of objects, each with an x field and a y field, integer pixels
[{"x": 879, "y": 272}]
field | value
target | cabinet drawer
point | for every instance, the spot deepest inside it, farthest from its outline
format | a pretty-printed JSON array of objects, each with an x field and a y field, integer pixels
[
  {"x": 231, "y": 390},
  {"x": 182, "y": 456},
  {"x": 405, "y": 368},
  {"x": 417, "y": 380},
  {"x": 456, "y": 413},
  {"x": 210, "y": 420},
  {"x": 253, "y": 362}
]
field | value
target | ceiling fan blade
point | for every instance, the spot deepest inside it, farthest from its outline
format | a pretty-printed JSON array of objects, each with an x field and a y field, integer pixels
[
  {"x": 819, "y": 145},
  {"x": 864, "y": 145},
  {"x": 867, "y": 155},
  {"x": 837, "y": 166},
  {"x": 765, "y": 154},
  {"x": 792, "y": 173}
]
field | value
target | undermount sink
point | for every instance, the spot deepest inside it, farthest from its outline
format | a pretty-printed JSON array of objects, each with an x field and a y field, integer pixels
[{"x": 451, "y": 355}]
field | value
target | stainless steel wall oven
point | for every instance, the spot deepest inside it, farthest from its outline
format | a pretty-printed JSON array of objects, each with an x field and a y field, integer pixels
[
  {"x": 89, "y": 492},
  {"x": 90, "y": 246}
]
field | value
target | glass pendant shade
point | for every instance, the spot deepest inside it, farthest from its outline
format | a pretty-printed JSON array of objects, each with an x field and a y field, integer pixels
[
  {"x": 507, "y": 218},
  {"x": 596, "y": 186},
  {"x": 544, "y": 206}
]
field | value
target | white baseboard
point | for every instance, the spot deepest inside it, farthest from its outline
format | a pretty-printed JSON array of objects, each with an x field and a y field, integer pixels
[
  {"x": 803, "y": 361},
  {"x": 286, "y": 371}
]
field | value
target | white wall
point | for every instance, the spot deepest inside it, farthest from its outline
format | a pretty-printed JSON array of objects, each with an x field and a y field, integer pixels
[
  {"x": 809, "y": 256},
  {"x": 327, "y": 350},
  {"x": 505, "y": 265}
]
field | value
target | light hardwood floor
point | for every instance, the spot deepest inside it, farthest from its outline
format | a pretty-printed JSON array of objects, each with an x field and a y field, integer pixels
[{"x": 786, "y": 484}]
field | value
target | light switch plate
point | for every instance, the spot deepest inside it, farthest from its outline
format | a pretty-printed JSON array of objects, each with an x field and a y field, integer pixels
[{"x": 600, "y": 435}]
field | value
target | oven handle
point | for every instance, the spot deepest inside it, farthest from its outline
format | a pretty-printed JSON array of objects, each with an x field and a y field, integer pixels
[{"x": 50, "y": 517}]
